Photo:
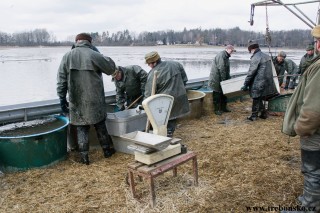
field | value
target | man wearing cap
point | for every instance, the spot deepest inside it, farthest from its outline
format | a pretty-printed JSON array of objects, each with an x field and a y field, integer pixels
[
  {"x": 280, "y": 65},
  {"x": 292, "y": 70},
  {"x": 302, "y": 118},
  {"x": 259, "y": 81},
  {"x": 306, "y": 58},
  {"x": 171, "y": 80},
  {"x": 80, "y": 75},
  {"x": 130, "y": 84},
  {"x": 220, "y": 71}
]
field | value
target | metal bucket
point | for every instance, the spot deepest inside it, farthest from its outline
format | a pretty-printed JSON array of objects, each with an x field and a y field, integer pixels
[
  {"x": 195, "y": 99},
  {"x": 279, "y": 103},
  {"x": 207, "y": 100},
  {"x": 36, "y": 150}
]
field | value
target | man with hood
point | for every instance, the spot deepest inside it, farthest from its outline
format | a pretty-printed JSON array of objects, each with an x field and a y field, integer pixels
[
  {"x": 302, "y": 118},
  {"x": 220, "y": 71},
  {"x": 80, "y": 75},
  {"x": 130, "y": 82},
  {"x": 171, "y": 80},
  {"x": 259, "y": 81}
]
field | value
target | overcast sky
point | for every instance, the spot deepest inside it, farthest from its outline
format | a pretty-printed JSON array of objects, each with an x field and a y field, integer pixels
[{"x": 65, "y": 18}]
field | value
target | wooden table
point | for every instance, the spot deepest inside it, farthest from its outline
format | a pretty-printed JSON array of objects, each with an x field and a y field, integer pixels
[{"x": 152, "y": 171}]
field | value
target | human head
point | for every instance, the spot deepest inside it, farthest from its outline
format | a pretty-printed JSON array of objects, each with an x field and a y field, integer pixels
[
  {"x": 281, "y": 56},
  {"x": 230, "y": 49},
  {"x": 117, "y": 75},
  {"x": 152, "y": 58},
  {"x": 316, "y": 34},
  {"x": 252, "y": 44},
  {"x": 310, "y": 49},
  {"x": 83, "y": 36}
]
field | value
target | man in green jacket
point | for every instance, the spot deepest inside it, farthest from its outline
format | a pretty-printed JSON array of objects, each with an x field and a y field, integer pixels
[
  {"x": 220, "y": 71},
  {"x": 280, "y": 65},
  {"x": 302, "y": 118},
  {"x": 80, "y": 75},
  {"x": 130, "y": 82},
  {"x": 171, "y": 80},
  {"x": 292, "y": 71},
  {"x": 306, "y": 58}
]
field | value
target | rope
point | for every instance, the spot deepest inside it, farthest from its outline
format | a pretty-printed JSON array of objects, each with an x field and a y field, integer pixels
[{"x": 268, "y": 35}]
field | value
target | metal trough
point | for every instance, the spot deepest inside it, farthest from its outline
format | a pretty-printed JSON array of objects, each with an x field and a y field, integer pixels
[
  {"x": 34, "y": 150},
  {"x": 279, "y": 103}
]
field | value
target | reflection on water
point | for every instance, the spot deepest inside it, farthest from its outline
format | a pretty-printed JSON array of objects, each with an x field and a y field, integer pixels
[{"x": 29, "y": 74}]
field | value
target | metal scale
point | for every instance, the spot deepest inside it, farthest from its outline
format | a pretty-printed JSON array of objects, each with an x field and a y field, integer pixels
[{"x": 150, "y": 148}]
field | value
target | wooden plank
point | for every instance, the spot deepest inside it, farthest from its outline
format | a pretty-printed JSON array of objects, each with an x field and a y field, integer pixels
[{"x": 167, "y": 164}]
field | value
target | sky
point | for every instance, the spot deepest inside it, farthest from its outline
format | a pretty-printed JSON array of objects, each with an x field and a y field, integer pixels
[{"x": 66, "y": 18}]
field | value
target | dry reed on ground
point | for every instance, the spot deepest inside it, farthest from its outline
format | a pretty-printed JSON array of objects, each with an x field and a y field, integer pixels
[{"x": 241, "y": 164}]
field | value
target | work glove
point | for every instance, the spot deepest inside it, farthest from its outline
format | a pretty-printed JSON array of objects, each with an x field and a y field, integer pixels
[
  {"x": 64, "y": 105},
  {"x": 118, "y": 109},
  {"x": 291, "y": 85},
  {"x": 244, "y": 88}
]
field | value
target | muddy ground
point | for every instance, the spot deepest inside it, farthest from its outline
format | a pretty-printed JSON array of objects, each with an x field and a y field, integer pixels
[{"x": 241, "y": 164}]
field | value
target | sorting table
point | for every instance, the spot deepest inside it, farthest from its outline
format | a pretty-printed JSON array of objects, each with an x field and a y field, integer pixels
[{"x": 151, "y": 171}]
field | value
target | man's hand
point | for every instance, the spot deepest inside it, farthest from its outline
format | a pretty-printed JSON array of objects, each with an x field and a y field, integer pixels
[
  {"x": 119, "y": 108},
  {"x": 244, "y": 88},
  {"x": 64, "y": 105}
]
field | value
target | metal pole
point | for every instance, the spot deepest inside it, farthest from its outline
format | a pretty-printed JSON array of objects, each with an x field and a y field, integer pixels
[
  {"x": 280, "y": 2},
  {"x": 305, "y": 15}
]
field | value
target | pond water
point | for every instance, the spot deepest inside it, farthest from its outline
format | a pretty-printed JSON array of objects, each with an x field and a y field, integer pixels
[{"x": 29, "y": 74}]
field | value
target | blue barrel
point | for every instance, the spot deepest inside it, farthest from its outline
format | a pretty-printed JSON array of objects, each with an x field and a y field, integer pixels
[{"x": 35, "y": 150}]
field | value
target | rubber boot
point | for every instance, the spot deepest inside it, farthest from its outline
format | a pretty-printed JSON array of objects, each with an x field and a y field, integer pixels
[
  {"x": 256, "y": 103},
  {"x": 253, "y": 117},
  {"x": 224, "y": 107},
  {"x": 104, "y": 139},
  {"x": 83, "y": 143},
  {"x": 217, "y": 103},
  {"x": 264, "y": 114},
  {"x": 171, "y": 127},
  {"x": 217, "y": 110},
  {"x": 84, "y": 158}
]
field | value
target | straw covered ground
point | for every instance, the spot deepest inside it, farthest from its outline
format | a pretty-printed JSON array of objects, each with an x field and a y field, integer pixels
[{"x": 241, "y": 164}]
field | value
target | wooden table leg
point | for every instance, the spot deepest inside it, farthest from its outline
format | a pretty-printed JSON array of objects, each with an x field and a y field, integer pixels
[
  {"x": 195, "y": 170},
  {"x": 175, "y": 172},
  {"x": 131, "y": 182},
  {"x": 152, "y": 192}
]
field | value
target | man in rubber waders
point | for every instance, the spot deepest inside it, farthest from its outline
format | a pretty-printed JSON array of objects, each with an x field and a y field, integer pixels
[
  {"x": 220, "y": 71},
  {"x": 130, "y": 82},
  {"x": 80, "y": 75},
  {"x": 171, "y": 80},
  {"x": 302, "y": 118},
  {"x": 259, "y": 81}
]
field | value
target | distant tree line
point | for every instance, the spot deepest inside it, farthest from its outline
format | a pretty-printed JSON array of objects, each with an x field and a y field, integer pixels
[{"x": 198, "y": 36}]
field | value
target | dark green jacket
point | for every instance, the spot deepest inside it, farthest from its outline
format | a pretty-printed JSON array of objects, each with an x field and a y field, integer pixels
[
  {"x": 80, "y": 75},
  {"x": 281, "y": 68},
  {"x": 305, "y": 62},
  {"x": 132, "y": 84},
  {"x": 259, "y": 77},
  {"x": 171, "y": 80},
  {"x": 292, "y": 68},
  {"x": 220, "y": 71}
]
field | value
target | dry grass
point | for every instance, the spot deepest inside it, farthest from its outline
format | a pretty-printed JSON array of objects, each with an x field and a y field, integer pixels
[{"x": 240, "y": 164}]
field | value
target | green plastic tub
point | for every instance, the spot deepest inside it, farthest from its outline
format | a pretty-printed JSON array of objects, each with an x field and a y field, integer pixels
[
  {"x": 279, "y": 103},
  {"x": 35, "y": 150}
]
